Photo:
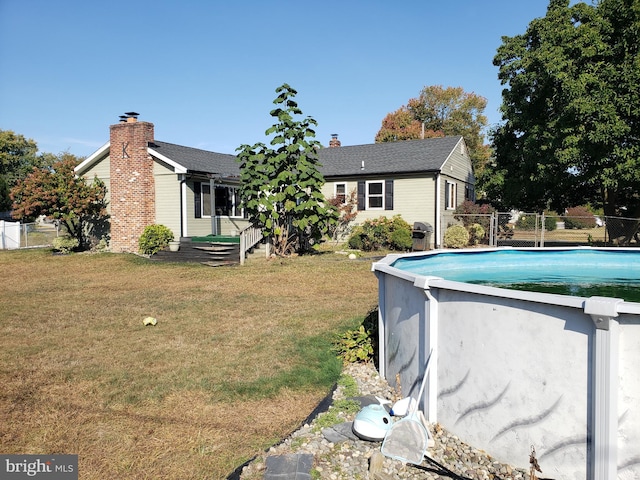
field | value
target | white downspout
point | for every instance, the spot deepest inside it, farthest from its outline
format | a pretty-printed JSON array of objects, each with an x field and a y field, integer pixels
[
  {"x": 183, "y": 213},
  {"x": 438, "y": 225}
]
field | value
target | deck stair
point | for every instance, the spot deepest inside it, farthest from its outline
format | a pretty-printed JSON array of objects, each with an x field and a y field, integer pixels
[{"x": 212, "y": 253}]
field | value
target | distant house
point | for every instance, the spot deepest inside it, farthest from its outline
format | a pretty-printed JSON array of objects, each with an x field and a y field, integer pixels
[{"x": 195, "y": 192}]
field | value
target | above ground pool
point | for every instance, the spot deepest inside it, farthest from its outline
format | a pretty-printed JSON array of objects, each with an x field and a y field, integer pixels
[
  {"x": 577, "y": 272},
  {"x": 534, "y": 349}
]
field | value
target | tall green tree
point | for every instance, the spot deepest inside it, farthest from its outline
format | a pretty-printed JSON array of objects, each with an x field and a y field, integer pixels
[
  {"x": 59, "y": 194},
  {"x": 281, "y": 186},
  {"x": 570, "y": 133},
  {"x": 439, "y": 112}
]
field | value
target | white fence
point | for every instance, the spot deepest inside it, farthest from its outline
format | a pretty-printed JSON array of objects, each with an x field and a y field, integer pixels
[
  {"x": 14, "y": 235},
  {"x": 9, "y": 235}
]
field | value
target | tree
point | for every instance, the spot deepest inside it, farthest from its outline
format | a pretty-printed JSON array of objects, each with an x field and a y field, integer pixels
[
  {"x": 347, "y": 208},
  {"x": 570, "y": 110},
  {"x": 281, "y": 187},
  {"x": 439, "y": 112},
  {"x": 59, "y": 194},
  {"x": 18, "y": 156},
  {"x": 399, "y": 125}
]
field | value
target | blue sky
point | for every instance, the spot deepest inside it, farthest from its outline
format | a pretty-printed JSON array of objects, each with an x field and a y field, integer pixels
[{"x": 205, "y": 72}]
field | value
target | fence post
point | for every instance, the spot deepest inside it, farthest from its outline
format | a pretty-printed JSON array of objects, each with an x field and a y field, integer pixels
[
  {"x": 243, "y": 242},
  {"x": 493, "y": 230},
  {"x": 542, "y": 231}
]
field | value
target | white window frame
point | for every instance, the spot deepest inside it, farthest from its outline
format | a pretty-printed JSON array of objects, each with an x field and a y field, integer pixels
[
  {"x": 204, "y": 204},
  {"x": 337, "y": 195},
  {"x": 235, "y": 207},
  {"x": 368, "y": 196},
  {"x": 451, "y": 195}
]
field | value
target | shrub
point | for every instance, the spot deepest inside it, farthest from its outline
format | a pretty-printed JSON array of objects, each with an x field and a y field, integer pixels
[
  {"x": 101, "y": 246},
  {"x": 360, "y": 345},
  {"x": 154, "y": 238},
  {"x": 476, "y": 233},
  {"x": 355, "y": 240},
  {"x": 65, "y": 244},
  {"x": 355, "y": 346},
  {"x": 526, "y": 222},
  {"x": 470, "y": 213},
  {"x": 550, "y": 221},
  {"x": 456, "y": 236},
  {"x": 579, "y": 218},
  {"x": 401, "y": 240},
  {"x": 382, "y": 232}
]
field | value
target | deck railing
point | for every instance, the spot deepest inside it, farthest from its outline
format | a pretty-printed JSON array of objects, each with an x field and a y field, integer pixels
[{"x": 249, "y": 238}]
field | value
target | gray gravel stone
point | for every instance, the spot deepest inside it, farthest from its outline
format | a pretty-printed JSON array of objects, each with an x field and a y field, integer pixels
[{"x": 340, "y": 455}]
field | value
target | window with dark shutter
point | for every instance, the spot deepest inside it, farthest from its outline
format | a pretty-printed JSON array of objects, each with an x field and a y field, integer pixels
[
  {"x": 375, "y": 195},
  {"x": 362, "y": 193},
  {"x": 388, "y": 194},
  {"x": 197, "y": 200},
  {"x": 341, "y": 193}
]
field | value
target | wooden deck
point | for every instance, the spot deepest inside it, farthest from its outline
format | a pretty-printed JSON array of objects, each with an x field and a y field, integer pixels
[{"x": 212, "y": 253}]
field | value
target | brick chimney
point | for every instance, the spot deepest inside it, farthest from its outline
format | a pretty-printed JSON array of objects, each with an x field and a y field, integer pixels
[
  {"x": 334, "y": 141},
  {"x": 132, "y": 184}
]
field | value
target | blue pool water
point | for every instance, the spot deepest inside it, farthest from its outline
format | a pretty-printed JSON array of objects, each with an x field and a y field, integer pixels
[{"x": 581, "y": 273}]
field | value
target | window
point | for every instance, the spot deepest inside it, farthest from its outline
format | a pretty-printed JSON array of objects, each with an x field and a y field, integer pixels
[
  {"x": 202, "y": 199},
  {"x": 206, "y": 200},
  {"x": 469, "y": 193},
  {"x": 228, "y": 201},
  {"x": 341, "y": 193},
  {"x": 375, "y": 195},
  {"x": 450, "y": 195}
]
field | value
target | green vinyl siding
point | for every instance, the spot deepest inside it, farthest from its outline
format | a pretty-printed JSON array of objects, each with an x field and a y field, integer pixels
[
  {"x": 413, "y": 199},
  {"x": 196, "y": 227},
  {"x": 167, "y": 187},
  {"x": 102, "y": 170}
]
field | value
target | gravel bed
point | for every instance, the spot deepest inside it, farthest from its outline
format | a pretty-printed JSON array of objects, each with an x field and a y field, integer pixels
[{"x": 352, "y": 458}]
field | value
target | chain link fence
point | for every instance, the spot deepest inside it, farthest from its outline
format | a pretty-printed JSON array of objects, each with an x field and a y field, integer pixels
[
  {"x": 15, "y": 235},
  {"x": 521, "y": 229}
]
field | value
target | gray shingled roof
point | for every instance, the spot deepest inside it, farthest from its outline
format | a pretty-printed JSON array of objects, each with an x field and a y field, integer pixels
[
  {"x": 410, "y": 156},
  {"x": 196, "y": 160}
]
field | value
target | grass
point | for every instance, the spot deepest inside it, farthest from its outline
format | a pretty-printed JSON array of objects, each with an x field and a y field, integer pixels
[
  {"x": 239, "y": 358},
  {"x": 571, "y": 236}
]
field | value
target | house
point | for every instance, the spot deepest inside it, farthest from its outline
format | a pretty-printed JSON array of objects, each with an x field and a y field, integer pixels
[
  {"x": 417, "y": 179},
  {"x": 195, "y": 192}
]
